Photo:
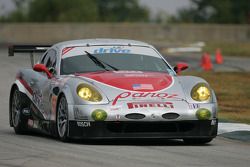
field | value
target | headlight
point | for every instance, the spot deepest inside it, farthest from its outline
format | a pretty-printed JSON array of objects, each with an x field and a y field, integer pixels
[
  {"x": 200, "y": 92},
  {"x": 88, "y": 93}
]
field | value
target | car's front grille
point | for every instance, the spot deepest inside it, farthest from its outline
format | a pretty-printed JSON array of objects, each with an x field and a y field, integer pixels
[{"x": 149, "y": 127}]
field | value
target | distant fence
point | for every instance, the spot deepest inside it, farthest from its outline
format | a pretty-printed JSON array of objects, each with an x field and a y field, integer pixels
[{"x": 45, "y": 33}]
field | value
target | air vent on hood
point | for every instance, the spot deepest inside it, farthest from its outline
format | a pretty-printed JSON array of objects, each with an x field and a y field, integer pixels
[
  {"x": 170, "y": 115},
  {"x": 135, "y": 116}
]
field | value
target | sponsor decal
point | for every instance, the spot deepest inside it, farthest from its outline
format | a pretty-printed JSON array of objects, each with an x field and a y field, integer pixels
[
  {"x": 26, "y": 85},
  {"x": 194, "y": 106},
  {"x": 143, "y": 95},
  {"x": 143, "y": 87},
  {"x": 83, "y": 124},
  {"x": 133, "y": 105},
  {"x": 37, "y": 99},
  {"x": 112, "y": 50},
  {"x": 26, "y": 111}
]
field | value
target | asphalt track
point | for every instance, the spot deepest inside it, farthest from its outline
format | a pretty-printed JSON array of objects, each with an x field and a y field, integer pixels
[{"x": 40, "y": 151}]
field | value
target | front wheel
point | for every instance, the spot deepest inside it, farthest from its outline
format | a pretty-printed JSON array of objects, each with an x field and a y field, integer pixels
[
  {"x": 197, "y": 140},
  {"x": 18, "y": 102},
  {"x": 62, "y": 119}
]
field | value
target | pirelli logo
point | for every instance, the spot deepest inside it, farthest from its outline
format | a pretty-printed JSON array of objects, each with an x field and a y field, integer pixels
[{"x": 133, "y": 105}]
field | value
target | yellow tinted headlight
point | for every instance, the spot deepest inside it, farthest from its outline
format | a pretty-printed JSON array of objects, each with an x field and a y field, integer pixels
[
  {"x": 88, "y": 93},
  {"x": 200, "y": 92}
]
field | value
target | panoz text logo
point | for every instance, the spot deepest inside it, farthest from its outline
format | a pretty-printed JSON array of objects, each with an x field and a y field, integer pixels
[
  {"x": 112, "y": 50},
  {"x": 125, "y": 95},
  {"x": 150, "y": 104}
]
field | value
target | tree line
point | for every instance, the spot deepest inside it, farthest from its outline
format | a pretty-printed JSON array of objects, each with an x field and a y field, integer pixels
[
  {"x": 200, "y": 11},
  {"x": 77, "y": 11},
  {"x": 215, "y": 11}
]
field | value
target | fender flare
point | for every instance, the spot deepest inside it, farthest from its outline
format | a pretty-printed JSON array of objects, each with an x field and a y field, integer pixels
[
  {"x": 66, "y": 91},
  {"x": 17, "y": 85},
  {"x": 21, "y": 87}
]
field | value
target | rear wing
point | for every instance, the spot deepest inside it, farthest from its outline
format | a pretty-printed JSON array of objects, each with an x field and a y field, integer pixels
[{"x": 31, "y": 49}]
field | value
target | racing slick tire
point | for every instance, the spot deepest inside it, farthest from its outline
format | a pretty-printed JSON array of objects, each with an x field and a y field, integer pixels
[
  {"x": 197, "y": 140},
  {"x": 19, "y": 101},
  {"x": 62, "y": 122}
]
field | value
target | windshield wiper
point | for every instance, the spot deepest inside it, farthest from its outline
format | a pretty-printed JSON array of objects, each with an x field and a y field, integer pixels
[
  {"x": 96, "y": 61},
  {"x": 99, "y": 62}
]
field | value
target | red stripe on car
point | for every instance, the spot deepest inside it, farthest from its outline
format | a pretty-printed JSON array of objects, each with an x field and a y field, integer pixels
[
  {"x": 26, "y": 85},
  {"x": 66, "y": 50}
]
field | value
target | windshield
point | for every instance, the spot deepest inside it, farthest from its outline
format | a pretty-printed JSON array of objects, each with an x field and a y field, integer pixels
[{"x": 92, "y": 62}]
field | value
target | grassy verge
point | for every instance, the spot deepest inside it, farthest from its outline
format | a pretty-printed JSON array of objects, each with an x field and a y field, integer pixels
[
  {"x": 229, "y": 49},
  {"x": 233, "y": 93}
]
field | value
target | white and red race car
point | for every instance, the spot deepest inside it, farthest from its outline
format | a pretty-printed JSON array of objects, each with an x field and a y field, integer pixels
[{"x": 110, "y": 88}]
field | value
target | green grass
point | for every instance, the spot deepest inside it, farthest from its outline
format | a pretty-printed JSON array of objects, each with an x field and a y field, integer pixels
[
  {"x": 233, "y": 93},
  {"x": 241, "y": 49}
]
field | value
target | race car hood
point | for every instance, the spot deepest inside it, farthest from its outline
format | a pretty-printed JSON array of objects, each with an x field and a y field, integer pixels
[{"x": 135, "y": 85}]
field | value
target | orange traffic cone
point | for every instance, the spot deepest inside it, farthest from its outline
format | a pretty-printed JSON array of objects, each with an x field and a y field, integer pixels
[
  {"x": 206, "y": 63},
  {"x": 218, "y": 56}
]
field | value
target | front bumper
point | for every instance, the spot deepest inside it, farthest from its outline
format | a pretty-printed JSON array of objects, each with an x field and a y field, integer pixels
[{"x": 134, "y": 129}]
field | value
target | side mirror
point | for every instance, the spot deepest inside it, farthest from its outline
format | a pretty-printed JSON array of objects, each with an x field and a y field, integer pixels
[
  {"x": 42, "y": 68},
  {"x": 180, "y": 67}
]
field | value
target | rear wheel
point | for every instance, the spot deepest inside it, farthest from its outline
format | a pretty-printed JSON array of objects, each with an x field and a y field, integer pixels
[
  {"x": 18, "y": 102},
  {"x": 62, "y": 119},
  {"x": 197, "y": 140}
]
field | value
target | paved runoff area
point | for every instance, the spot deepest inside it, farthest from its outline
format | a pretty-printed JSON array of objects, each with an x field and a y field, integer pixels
[
  {"x": 236, "y": 131},
  {"x": 232, "y": 127}
]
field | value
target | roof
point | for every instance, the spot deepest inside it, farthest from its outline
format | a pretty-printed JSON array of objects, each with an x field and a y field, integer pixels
[{"x": 101, "y": 41}]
